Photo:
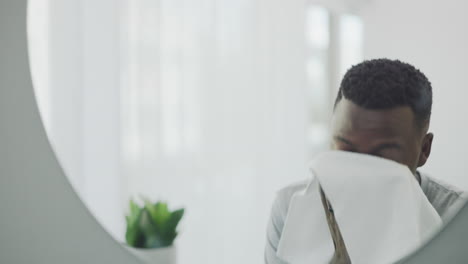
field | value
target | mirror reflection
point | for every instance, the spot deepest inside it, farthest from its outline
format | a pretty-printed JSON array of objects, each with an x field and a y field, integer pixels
[{"x": 209, "y": 129}]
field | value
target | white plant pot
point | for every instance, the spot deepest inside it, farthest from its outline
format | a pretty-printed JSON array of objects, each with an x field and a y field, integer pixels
[{"x": 165, "y": 255}]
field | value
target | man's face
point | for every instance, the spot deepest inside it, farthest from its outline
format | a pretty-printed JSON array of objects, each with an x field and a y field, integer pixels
[{"x": 392, "y": 134}]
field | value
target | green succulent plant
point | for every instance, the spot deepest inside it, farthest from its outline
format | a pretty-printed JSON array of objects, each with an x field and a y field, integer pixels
[{"x": 152, "y": 225}]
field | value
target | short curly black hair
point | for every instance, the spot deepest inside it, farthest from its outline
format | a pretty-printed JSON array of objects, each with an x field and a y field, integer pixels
[{"x": 385, "y": 84}]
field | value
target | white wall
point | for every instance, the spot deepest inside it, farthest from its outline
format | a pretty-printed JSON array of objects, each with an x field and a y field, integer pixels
[
  {"x": 84, "y": 101},
  {"x": 239, "y": 69},
  {"x": 65, "y": 124},
  {"x": 432, "y": 36},
  {"x": 101, "y": 113}
]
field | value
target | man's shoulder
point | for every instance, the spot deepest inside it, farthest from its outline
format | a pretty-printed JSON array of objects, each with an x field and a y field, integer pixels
[
  {"x": 284, "y": 195},
  {"x": 292, "y": 188},
  {"x": 279, "y": 212},
  {"x": 444, "y": 197}
]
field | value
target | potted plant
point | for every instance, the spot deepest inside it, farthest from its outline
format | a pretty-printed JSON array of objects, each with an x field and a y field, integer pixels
[{"x": 151, "y": 230}]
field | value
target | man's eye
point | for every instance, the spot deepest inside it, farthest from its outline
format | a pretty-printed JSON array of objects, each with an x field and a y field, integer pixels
[
  {"x": 338, "y": 145},
  {"x": 347, "y": 148}
]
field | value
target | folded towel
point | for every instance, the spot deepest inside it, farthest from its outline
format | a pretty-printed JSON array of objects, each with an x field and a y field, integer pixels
[{"x": 378, "y": 205}]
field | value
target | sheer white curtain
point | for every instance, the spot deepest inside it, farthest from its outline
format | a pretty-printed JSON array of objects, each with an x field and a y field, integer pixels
[
  {"x": 203, "y": 104},
  {"x": 213, "y": 116}
]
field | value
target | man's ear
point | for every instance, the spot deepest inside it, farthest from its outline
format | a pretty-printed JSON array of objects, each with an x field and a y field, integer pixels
[{"x": 425, "y": 149}]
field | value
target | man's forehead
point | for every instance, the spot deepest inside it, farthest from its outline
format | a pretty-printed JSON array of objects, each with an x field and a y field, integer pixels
[{"x": 349, "y": 117}]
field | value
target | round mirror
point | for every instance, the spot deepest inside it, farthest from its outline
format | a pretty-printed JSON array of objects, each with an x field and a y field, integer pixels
[
  {"x": 158, "y": 100},
  {"x": 215, "y": 106}
]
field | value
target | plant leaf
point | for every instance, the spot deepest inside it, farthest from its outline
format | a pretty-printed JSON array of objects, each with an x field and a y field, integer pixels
[
  {"x": 152, "y": 226},
  {"x": 159, "y": 214},
  {"x": 174, "y": 219},
  {"x": 170, "y": 232},
  {"x": 133, "y": 233},
  {"x": 146, "y": 224},
  {"x": 134, "y": 213}
]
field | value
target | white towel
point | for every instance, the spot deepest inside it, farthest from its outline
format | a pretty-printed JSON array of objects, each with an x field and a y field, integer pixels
[{"x": 379, "y": 206}]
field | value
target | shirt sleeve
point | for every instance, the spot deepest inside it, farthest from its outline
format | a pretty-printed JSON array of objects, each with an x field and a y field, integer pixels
[{"x": 275, "y": 228}]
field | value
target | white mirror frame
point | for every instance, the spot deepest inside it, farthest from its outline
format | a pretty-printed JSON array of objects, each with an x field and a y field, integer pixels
[{"x": 42, "y": 219}]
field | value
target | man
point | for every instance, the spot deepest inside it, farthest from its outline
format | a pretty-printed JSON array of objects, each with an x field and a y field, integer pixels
[{"x": 383, "y": 108}]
